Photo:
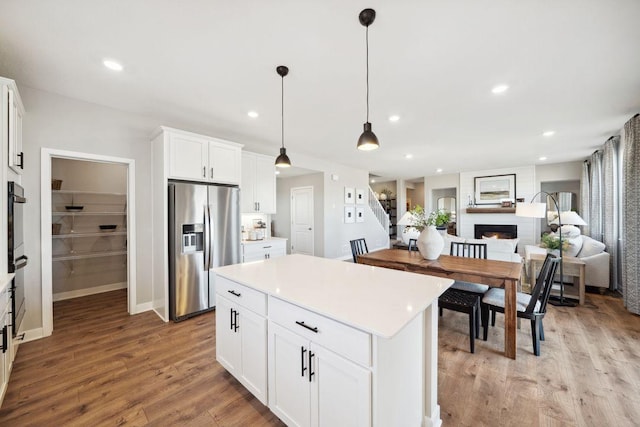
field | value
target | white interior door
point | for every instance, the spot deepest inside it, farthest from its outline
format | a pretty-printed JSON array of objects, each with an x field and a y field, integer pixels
[{"x": 302, "y": 220}]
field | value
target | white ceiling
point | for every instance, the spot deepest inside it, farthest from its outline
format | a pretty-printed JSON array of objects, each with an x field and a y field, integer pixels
[{"x": 572, "y": 66}]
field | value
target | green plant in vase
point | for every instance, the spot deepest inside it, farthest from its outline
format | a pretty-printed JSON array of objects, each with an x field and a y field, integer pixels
[{"x": 552, "y": 242}]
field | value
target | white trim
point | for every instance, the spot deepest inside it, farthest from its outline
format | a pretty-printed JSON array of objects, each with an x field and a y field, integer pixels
[
  {"x": 45, "y": 227},
  {"x": 31, "y": 335},
  {"x": 145, "y": 306},
  {"x": 60, "y": 296}
]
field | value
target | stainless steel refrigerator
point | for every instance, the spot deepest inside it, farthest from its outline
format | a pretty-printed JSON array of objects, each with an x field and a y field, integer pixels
[{"x": 204, "y": 232}]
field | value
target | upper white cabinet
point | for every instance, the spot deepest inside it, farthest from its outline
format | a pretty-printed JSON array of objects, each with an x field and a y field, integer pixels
[
  {"x": 12, "y": 113},
  {"x": 200, "y": 158},
  {"x": 258, "y": 186}
]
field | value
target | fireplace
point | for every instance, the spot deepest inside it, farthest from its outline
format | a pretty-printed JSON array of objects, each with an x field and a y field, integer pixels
[{"x": 501, "y": 231}]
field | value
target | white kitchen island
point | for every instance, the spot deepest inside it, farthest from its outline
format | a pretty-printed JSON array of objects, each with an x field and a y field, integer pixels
[{"x": 326, "y": 343}]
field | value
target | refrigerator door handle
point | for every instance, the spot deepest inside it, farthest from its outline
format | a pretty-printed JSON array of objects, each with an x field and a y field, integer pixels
[
  {"x": 207, "y": 241},
  {"x": 210, "y": 237}
]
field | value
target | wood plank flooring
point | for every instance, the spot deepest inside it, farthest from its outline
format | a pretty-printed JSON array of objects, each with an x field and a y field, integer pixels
[{"x": 104, "y": 367}]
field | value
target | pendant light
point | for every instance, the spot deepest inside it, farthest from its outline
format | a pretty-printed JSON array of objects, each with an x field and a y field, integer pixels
[
  {"x": 368, "y": 140},
  {"x": 283, "y": 160}
]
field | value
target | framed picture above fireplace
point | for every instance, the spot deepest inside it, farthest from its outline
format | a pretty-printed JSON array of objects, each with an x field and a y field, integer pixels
[{"x": 492, "y": 190}]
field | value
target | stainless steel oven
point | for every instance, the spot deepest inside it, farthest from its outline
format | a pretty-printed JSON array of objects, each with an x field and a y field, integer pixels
[{"x": 17, "y": 258}]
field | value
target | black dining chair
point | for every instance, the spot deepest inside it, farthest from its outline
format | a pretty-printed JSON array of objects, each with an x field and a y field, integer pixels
[
  {"x": 470, "y": 250},
  {"x": 413, "y": 245},
  {"x": 358, "y": 247},
  {"x": 532, "y": 307}
]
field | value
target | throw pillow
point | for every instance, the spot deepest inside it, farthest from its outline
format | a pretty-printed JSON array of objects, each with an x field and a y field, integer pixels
[
  {"x": 575, "y": 244},
  {"x": 500, "y": 245},
  {"x": 591, "y": 247},
  {"x": 448, "y": 238}
]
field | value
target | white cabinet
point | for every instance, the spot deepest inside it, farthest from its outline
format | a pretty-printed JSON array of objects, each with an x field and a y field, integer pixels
[
  {"x": 267, "y": 249},
  {"x": 12, "y": 112},
  {"x": 6, "y": 352},
  {"x": 241, "y": 335},
  {"x": 200, "y": 158},
  {"x": 258, "y": 186},
  {"x": 312, "y": 384}
]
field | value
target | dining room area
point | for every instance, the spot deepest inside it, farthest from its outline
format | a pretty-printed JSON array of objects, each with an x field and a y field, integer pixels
[{"x": 584, "y": 371}]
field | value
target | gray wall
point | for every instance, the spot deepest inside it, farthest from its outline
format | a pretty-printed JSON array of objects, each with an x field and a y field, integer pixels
[
  {"x": 56, "y": 122},
  {"x": 282, "y": 219}
]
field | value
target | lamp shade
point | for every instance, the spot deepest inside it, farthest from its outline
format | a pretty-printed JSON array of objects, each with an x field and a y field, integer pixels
[
  {"x": 368, "y": 140},
  {"x": 283, "y": 160},
  {"x": 531, "y": 210},
  {"x": 568, "y": 218},
  {"x": 407, "y": 219}
]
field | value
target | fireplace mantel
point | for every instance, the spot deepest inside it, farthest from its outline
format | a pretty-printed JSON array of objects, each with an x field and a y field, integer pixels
[{"x": 491, "y": 210}]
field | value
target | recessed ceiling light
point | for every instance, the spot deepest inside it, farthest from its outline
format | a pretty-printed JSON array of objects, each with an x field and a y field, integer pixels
[
  {"x": 394, "y": 118},
  {"x": 408, "y": 156},
  {"x": 373, "y": 181},
  {"x": 542, "y": 159},
  {"x": 277, "y": 172},
  {"x": 112, "y": 65},
  {"x": 439, "y": 170},
  {"x": 500, "y": 89},
  {"x": 549, "y": 133},
  {"x": 253, "y": 114}
]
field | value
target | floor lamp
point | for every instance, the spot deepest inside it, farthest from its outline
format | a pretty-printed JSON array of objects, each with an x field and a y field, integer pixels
[{"x": 539, "y": 210}]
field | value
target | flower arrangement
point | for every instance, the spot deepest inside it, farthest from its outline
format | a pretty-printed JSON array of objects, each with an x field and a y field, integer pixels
[
  {"x": 551, "y": 241},
  {"x": 421, "y": 220}
]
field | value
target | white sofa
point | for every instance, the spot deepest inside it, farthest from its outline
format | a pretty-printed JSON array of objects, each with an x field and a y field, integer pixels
[{"x": 497, "y": 249}]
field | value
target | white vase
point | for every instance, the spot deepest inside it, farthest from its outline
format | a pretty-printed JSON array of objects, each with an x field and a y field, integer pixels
[
  {"x": 409, "y": 233},
  {"x": 430, "y": 243}
]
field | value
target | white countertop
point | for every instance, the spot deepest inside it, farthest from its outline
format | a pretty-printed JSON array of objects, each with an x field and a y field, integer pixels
[
  {"x": 5, "y": 280},
  {"x": 374, "y": 299},
  {"x": 265, "y": 241}
]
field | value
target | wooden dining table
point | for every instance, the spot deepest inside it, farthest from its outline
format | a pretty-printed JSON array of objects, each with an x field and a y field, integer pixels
[{"x": 490, "y": 272}]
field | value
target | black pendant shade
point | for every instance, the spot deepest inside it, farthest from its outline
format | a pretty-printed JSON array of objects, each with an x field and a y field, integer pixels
[
  {"x": 368, "y": 140},
  {"x": 283, "y": 160}
]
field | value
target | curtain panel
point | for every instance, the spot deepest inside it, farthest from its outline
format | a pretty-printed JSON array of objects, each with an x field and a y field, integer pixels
[
  {"x": 596, "y": 208},
  {"x": 585, "y": 201},
  {"x": 610, "y": 205},
  {"x": 631, "y": 216}
]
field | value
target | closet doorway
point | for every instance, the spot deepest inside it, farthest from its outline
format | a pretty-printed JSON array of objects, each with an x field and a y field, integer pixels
[{"x": 87, "y": 228}]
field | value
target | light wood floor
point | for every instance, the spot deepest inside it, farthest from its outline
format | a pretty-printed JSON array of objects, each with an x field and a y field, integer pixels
[{"x": 104, "y": 367}]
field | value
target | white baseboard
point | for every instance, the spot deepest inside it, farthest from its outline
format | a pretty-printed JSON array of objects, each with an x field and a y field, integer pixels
[
  {"x": 141, "y": 308},
  {"x": 89, "y": 291},
  {"x": 32, "y": 335}
]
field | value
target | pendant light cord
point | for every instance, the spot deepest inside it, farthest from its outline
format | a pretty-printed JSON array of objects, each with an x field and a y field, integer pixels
[
  {"x": 282, "y": 110},
  {"x": 367, "y": 42}
]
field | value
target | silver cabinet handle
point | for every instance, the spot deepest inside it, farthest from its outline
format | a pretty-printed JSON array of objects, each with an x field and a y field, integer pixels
[
  {"x": 204, "y": 171},
  {"x": 211, "y": 172}
]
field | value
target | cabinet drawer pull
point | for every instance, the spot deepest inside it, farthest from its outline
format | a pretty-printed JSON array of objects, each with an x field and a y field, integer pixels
[
  {"x": 302, "y": 352},
  {"x": 234, "y": 293},
  {"x": 312, "y": 329},
  {"x": 236, "y": 326},
  {"x": 266, "y": 247},
  {"x": 211, "y": 172},
  {"x": 311, "y": 373},
  {"x": 204, "y": 171}
]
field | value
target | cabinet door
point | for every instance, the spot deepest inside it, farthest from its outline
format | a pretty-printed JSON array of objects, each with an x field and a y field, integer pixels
[
  {"x": 224, "y": 163},
  {"x": 14, "y": 128},
  {"x": 188, "y": 157},
  {"x": 265, "y": 187},
  {"x": 340, "y": 392},
  {"x": 248, "y": 184},
  {"x": 289, "y": 386},
  {"x": 227, "y": 339},
  {"x": 253, "y": 366}
]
